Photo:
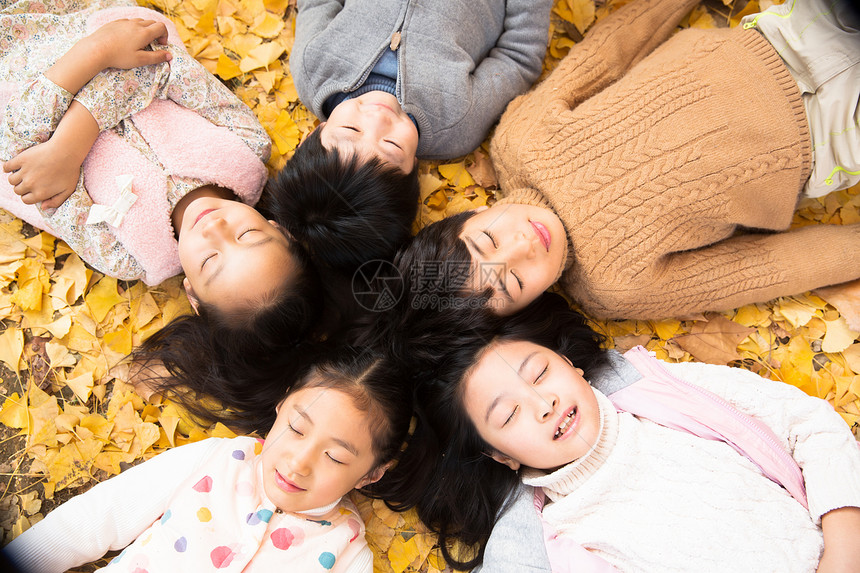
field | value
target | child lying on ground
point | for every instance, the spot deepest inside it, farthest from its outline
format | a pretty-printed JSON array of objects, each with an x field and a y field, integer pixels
[
  {"x": 634, "y": 171},
  {"x": 645, "y": 491},
  {"x": 396, "y": 80},
  {"x": 243, "y": 503}
]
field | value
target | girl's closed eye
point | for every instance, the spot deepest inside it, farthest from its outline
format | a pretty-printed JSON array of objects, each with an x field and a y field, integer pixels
[
  {"x": 519, "y": 280},
  {"x": 245, "y": 232},
  {"x": 394, "y": 143},
  {"x": 206, "y": 260},
  {"x": 492, "y": 238},
  {"x": 511, "y": 417},
  {"x": 290, "y": 425},
  {"x": 541, "y": 374},
  {"x": 335, "y": 460}
]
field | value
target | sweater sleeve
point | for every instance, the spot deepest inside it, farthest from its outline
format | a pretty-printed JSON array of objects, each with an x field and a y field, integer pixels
[
  {"x": 740, "y": 270},
  {"x": 613, "y": 46},
  {"x": 107, "y": 517},
  {"x": 516, "y": 543},
  {"x": 815, "y": 435},
  {"x": 312, "y": 18},
  {"x": 509, "y": 69},
  {"x": 359, "y": 562}
]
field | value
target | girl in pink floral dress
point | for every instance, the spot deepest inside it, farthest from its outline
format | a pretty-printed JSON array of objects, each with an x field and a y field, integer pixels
[{"x": 118, "y": 162}]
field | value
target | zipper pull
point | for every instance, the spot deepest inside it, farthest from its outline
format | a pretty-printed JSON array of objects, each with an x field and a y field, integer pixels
[{"x": 395, "y": 41}]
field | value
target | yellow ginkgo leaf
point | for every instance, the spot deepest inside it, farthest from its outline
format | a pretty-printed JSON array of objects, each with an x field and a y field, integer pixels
[
  {"x": 457, "y": 174},
  {"x": 81, "y": 385},
  {"x": 261, "y": 56},
  {"x": 14, "y": 414},
  {"x": 227, "y": 69},
  {"x": 33, "y": 280},
  {"x": 103, "y": 297},
  {"x": 269, "y": 27},
  {"x": 839, "y": 336}
]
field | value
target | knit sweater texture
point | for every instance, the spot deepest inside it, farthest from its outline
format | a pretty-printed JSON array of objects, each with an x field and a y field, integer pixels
[
  {"x": 660, "y": 156},
  {"x": 459, "y": 61}
]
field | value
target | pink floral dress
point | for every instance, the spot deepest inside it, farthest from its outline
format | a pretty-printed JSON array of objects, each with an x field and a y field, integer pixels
[{"x": 33, "y": 35}]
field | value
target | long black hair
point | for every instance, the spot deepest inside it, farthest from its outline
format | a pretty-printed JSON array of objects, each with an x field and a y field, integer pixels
[
  {"x": 240, "y": 359},
  {"x": 339, "y": 212},
  {"x": 446, "y": 471}
]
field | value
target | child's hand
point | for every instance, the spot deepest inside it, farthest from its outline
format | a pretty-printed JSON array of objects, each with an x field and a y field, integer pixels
[
  {"x": 841, "y": 528},
  {"x": 122, "y": 43},
  {"x": 44, "y": 173}
]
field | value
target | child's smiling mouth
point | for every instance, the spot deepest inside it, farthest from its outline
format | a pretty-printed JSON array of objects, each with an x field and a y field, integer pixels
[
  {"x": 201, "y": 215},
  {"x": 567, "y": 423},
  {"x": 542, "y": 233},
  {"x": 285, "y": 484}
]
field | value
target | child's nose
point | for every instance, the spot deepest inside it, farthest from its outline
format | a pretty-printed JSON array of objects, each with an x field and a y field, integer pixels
[
  {"x": 519, "y": 248},
  {"x": 299, "y": 463},
  {"x": 547, "y": 407},
  {"x": 215, "y": 227}
]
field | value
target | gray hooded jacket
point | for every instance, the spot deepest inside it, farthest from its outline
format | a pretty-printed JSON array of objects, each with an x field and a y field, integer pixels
[{"x": 459, "y": 61}]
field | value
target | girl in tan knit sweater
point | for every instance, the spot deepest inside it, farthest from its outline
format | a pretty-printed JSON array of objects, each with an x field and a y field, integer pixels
[{"x": 635, "y": 172}]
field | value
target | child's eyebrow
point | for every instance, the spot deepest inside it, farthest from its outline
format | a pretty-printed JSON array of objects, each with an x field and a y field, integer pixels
[
  {"x": 475, "y": 246},
  {"x": 342, "y": 443},
  {"x": 217, "y": 271}
]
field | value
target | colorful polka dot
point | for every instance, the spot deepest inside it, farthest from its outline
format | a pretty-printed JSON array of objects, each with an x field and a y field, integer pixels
[
  {"x": 252, "y": 519},
  {"x": 204, "y": 485},
  {"x": 244, "y": 488},
  {"x": 238, "y": 455},
  {"x": 203, "y": 514},
  {"x": 166, "y": 516},
  {"x": 258, "y": 447},
  {"x": 355, "y": 527},
  {"x": 222, "y": 556},
  {"x": 264, "y": 515},
  {"x": 181, "y": 545},
  {"x": 282, "y": 538},
  {"x": 327, "y": 560}
]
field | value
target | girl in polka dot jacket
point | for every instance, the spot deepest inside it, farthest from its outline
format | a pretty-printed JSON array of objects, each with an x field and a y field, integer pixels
[{"x": 244, "y": 504}]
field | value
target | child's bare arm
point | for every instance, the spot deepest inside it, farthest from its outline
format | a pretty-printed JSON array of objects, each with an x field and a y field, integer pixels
[
  {"x": 48, "y": 173},
  {"x": 841, "y": 529},
  {"x": 118, "y": 44}
]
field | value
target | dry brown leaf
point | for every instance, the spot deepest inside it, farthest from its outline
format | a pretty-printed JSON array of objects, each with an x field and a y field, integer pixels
[{"x": 715, "y": 341}]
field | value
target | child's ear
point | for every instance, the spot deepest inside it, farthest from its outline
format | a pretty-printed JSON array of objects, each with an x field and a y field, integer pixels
[
  {"x": 192, "y": 298},
  {"x": 505, "y": 460},
  {"x": 276, "y": 225},
  {"x": 374, "y": 475}
]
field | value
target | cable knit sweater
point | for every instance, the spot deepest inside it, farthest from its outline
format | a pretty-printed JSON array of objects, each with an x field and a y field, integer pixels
[
  {"x": 650, "y": 498},
  {"x": 654, "y": 160}
]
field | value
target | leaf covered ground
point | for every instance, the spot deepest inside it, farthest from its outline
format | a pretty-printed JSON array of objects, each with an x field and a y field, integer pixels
[{"x": 69, "y": 418}]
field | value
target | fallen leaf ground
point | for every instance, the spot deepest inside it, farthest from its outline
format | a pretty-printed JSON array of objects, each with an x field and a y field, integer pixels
[{"x": 69, "y": 419}]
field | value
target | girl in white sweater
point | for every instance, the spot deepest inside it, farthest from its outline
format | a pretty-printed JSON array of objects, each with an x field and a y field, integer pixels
[
  {"x": 244, "y": 504},
  {"x": 638, "y": 495}
]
